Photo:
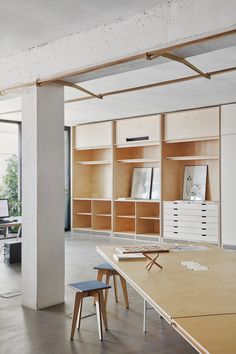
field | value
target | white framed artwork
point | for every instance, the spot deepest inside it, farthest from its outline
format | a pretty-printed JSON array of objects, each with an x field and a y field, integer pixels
[
  {"x": 156, "y": 183},
  {"x": 194, "y": 182},
  {"x": 141, "y": 183}
]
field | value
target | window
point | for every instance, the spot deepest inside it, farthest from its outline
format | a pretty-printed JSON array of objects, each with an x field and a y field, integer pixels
[{"x": 9, "y": 165}]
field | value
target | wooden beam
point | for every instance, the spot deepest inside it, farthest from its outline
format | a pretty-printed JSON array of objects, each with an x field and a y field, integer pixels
[
  {"x": 71, "y": 84},
  {"x": 178, "y": 59}
]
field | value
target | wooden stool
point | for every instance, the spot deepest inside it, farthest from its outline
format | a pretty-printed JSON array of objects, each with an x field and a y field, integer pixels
[
  {"x": 107, "y": 270},
  {"x": 86, "y": 289}
]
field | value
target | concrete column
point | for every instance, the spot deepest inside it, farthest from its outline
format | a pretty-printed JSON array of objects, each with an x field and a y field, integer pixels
[{"x": 43, "y": 196}]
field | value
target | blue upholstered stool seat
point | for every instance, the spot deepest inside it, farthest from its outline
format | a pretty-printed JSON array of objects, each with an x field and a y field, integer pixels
[
  {"x": 104, "y": 266},
  {"x": 91, "y": 285}
]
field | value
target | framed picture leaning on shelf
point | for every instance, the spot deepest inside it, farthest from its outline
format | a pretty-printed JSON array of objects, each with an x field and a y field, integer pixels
[
  {"x": 156, "y": 183},
  {"x": 141, "y": 183},
  {"x": 194, "y": 187}
]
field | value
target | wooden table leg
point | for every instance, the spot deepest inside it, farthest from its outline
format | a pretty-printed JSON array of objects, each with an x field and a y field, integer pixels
[
  {"x": 144, "y": 315},
  {"x": 78, "y": 297},
  {"x": 115, "y": 288},
  {"x": 125, "y": 293}
]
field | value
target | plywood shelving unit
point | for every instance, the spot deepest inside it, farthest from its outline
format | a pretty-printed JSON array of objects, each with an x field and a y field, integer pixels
[
  {"x": 138, "y": 144},
  {"x": 103, "y": 171},
  {"x": 105, "y": 155},
  {"x": 92, "y": 176},
  {"x": 191, "y": 138}
]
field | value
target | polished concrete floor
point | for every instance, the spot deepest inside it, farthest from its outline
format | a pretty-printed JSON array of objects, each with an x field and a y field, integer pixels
[{"x": 48, "y": 331}]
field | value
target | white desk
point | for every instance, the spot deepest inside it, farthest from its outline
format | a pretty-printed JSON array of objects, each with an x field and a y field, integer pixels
[{"x": 11, "y": 223}]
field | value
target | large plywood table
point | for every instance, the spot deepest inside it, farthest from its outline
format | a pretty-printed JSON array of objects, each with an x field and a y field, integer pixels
[{"x": 201, "y": 305}]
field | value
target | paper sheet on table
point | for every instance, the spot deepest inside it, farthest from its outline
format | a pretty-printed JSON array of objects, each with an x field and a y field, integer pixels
[{"x": 193, "y": 265}]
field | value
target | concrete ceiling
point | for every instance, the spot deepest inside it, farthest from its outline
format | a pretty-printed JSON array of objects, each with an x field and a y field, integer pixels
[
  {"x": 190, "y": 94},
  {"x": 184, "y": 95},
  {"x": 29, "y": 23}
]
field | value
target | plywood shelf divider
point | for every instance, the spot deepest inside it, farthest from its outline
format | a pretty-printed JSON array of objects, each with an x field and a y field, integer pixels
[
  {"x": 104, "y": 162},
  {"x": 96, "y": 199},
  {"x": 94, "y": 148},
  {"x": 125, "y": 232},
  {"x": 131, "y": 145},
  {"x": 106, "y": 215},
  {"x": 137, "y": 200},
  {"x": 126, "y": 216},
  {"x": 149, "y": 234},
  {"x": 191, "y": 158},
  {"x": 209, "y": 138},
  {"x": 149, "y": 217},
  {"x": 144, "y": 160},
  {"x": 84, "y": 213}
]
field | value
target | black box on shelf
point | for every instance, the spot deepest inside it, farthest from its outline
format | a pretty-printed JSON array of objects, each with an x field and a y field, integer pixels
[{"x": 12, "y": 252}]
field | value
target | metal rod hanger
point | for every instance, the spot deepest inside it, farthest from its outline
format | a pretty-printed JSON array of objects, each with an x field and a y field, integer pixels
[
  {"x": 178, "y": 59},
  {"x": 156, "y": 84}
]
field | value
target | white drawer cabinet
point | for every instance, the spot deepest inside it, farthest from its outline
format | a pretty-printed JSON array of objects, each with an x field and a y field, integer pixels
[
  {"x": 193, "y": 221},
  {"x": 93, "y": 135},
  {"x": 138, "y": 130}
]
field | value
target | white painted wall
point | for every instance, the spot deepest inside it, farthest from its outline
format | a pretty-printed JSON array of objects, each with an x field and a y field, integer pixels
[
  {"x": 169, "y": 22},
  {"x": 228, "y": 174}
]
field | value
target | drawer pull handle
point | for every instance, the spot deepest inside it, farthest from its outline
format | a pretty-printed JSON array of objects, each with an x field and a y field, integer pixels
[
  {"x": 175, "y": 232},
  {"x": 203, "y": 235},
  {"x": 138, "y": 138}
]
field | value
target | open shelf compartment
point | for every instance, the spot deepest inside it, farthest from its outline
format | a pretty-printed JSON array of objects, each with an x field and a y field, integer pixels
[
  {"x": 93, "y": 181},
  {"x": 93, "y": 156},
  {"x": 101, "y": 215}
]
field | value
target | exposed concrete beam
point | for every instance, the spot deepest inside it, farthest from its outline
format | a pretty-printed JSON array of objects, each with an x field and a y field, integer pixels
[{"x": 168, "y": 23}]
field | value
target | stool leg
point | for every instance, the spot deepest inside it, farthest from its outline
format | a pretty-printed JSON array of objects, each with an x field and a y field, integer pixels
[
  {"x": 108, "y": 275},
  {"x": 80, "y": 312},
  {"x": 100, "y": 275},
  {"x": 99, "y": 278},
  {"x": 103, "y": 309},
  {"x": 78, "y": 297},
  {"x": 115, "y": 288},
  {"x": 125, "y": 293},
  {"x": 99, "y": 318}
]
